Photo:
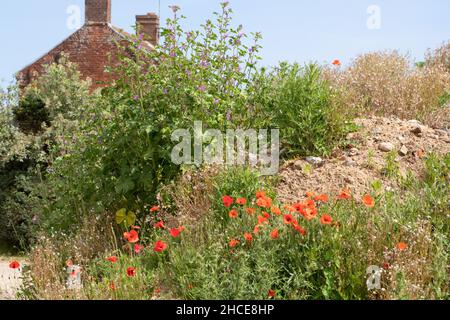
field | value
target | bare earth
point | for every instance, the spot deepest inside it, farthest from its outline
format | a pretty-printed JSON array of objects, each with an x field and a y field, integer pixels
[{"x": 357, "y": 167}]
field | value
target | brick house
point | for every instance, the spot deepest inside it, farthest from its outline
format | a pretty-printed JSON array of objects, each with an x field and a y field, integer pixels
[{"x": 92, "y": 46}]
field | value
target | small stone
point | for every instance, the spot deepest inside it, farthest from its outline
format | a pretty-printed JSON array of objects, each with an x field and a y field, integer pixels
[
  {"x": 386, "y": 147},
  {"x": 349, "y": 162},
  {"x": 401, "y": 139},
  {"x": 417, "y": 130},
  {"x": 376, "y": 131},
  {"x": 353, "y": 152},
  {"x": 414, "y": 122},
  {"x": 403, "y": 151},
  {"x": 315, "y": 161},
  {"x": 348, "y": 180},
  {"x": 441, "y": 133},
  {"x": 298, "y": 164}
]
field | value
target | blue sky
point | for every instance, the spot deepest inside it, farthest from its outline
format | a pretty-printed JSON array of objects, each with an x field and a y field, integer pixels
[{"x": 293, "y": 30}]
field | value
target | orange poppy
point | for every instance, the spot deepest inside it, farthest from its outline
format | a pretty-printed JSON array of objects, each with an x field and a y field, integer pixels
[
  {"x": 250, "y": 211},
  {"x": 326, "y": 219},
  {"x": 233, "y": 214},
  {"x": 274, "y": 234},
  {"x": 262, "y": 220},
  {"x": 276, "y": 211},
  {"x": 241, "y": 201},
  {"x": 112, "y": 259},
  {"x": 288, "y": 218},
  {"x": 14, "y": 265},
  {"x": 227, "y": 201},
  {"x": 401, "y": 246},
  {"x": 344, "y": 195},
  {"x": 336, "y": 62},
  {"x": 160, "y": 225},
  {"x": 132, "y": 236},
  {"x": 248, "y": 236},
  {"x": 289, "y": 208},
  {"x": 131, "y": 272},
  {"x": 234, "y": 243},
  {"x": 154, "y": 209},
  {"x": 310, "y": 213},
  {"x": 322, "y": 198},
  {"x": 256, "y": 230},
  {"x": 160, "y": 246},
  {"x": 368, "y": 201},
  {"x": 260, "y": 194}
]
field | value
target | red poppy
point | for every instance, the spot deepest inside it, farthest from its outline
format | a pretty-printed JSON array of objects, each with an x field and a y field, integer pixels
[
  {"x": 260, "y": 194},
  {"x": 271, "y": 293},
  {"x": 234, "y": 243},
  {"x": 288, "y": 218},
  {"x": 368, "y": 201},
  {"x": 174, "y": 232},
  {"x": 274, "y": 234},
  {"x": 299, "y": 229},
  {"x": 14, "y": 265},
  {"x": 256, "y": 230},
  {"x": 322, "y": 198},
  {"x": 136, "y": 228},
  {"x": 276, "y": 211},
  {"x": 386, "y": 266},
  {"x": 154, "y": 209},
  {"x": 160, "y": 225},
  {"x": 266, "y": 215},
  {"x": 262, "y": 220},
  {"x": 401, "y": 246},
  {"x": 131, "y": 272},
  {"x": 250, "y": 211},
  {"x": 326, "y": 219},
  {"x": 157, "y": 291},
  {"x": 132, "y": 236},
  {"x": 112, "y": 259},
  {"x": 344, "y": 195},
  {"x": 241, "y": 201},
  {"x": 112, "y": 286},
  {"x": 233, "y": 214},
  {"x": 336, "y": 62},
  {"x": 248, "y": 236},
  {"x": 227, "y": 201},
  {"x": 160, "y": 246},
  {"x": 138, "y": 248}
]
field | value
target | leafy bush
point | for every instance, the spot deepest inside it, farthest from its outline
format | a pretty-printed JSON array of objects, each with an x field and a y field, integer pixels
[
  {"x": 297, "y": 101},
  {"x": 35, "y": 131},
  {"x": 124, "y": 156}
]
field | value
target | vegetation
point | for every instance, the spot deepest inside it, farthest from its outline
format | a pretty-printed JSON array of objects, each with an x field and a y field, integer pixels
[{"x": 87, "y": 178}]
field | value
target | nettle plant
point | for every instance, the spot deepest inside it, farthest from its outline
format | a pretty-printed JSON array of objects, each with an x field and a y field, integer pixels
[{"x": 192, "y": 76}]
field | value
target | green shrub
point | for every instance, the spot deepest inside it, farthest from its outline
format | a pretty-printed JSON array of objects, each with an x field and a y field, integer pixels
[{"x": 297, "y": 101}]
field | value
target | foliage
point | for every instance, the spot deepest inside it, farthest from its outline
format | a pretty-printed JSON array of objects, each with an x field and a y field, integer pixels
[{"x": 297, "y": 101}]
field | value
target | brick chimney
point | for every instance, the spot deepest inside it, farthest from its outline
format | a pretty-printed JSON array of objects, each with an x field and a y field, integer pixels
[
  {"x": 148, "y": 25},
  {"x": 98, "y": 11}
]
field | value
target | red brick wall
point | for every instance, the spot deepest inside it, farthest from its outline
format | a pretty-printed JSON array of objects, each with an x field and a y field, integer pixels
[{"x": 90, "y": 48}]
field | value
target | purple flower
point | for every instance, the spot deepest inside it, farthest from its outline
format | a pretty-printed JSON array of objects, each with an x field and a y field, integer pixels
[
  {"x": 216, "y": 101},
  {"x": 136, "y": 98},
  {"x": 228, "y": 115},
  {"x": 203, "y": 63},
  {"x": 202, "y": 88},
  {"x": 174, "y": 8},
  {"x": 165, "y": 91},
  {"x": 173, "y": 54}
]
